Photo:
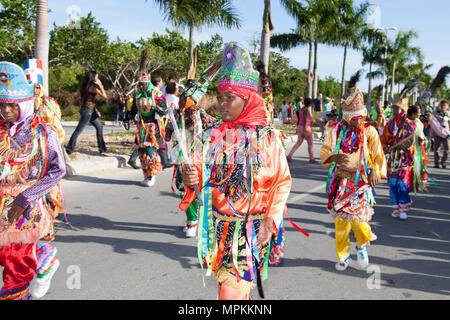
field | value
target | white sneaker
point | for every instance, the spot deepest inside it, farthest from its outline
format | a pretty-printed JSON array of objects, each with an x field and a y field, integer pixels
[
  {"x": 363, "y": 258},
  {"x": 152, "y": 181},
  {"x": 149, "y": 182},
  {"x": 41, "y": 284},
  {"x": 191, "y": 230},
  {"x": 395, "y": 214},
  {"x": 403, "y": 215},
  {"x": 342, "y": 266}
]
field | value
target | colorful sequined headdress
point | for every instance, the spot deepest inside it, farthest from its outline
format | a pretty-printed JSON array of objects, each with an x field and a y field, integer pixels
[
  {"x": 237, "y": 68},
  {"x": 14, "y": 86},
  {"x": 353, "y": 101},
  {"x": 353, "y": 105}
]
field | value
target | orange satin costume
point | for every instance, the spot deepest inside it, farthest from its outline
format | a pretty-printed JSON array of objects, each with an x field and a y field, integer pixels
[{"x": 226, "y": 233}]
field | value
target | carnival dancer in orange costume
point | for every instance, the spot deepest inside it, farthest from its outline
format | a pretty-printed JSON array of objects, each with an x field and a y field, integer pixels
[{"x": 244, "y": 180}]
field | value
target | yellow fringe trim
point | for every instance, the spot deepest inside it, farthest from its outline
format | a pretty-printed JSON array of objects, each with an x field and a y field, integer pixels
[{"x": 224, "y": 276}]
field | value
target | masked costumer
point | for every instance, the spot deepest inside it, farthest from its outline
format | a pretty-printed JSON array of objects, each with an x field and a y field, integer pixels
[
  {"x": 353, "y": 151},
  {"x": 244, "y": 180},
  {"x": 31, "y": 165}
]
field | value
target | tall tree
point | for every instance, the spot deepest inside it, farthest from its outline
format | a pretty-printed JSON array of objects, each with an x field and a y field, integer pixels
[
  {"x": 315, "y": 23},
  {"x": 265, "y": 36},
  {"x": 301, "y": 35},
  {"x": 194, "y": 14},
  {"x": 17, "y": 29},
  {"x": 372, "y": 55},
  {"x": 401, "y": 52},
  {"x": 42, "y": 37},
  {"x": 350, "y": 29}
]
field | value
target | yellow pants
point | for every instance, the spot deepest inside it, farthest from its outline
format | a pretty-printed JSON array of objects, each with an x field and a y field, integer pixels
[{"x": 342, "y": 229}]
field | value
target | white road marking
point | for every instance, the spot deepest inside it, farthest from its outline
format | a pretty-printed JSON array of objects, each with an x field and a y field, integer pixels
[{"x": 305, "y": 194}]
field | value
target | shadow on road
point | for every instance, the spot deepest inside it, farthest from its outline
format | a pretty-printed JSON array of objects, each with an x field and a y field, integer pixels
[
  {"x": 122, "y": 245},
  {"x": 421, "y": 255}
]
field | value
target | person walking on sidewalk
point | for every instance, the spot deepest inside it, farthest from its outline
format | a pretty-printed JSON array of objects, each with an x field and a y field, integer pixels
[
  {"x": 442, "y": 114},
  {"x": 32, "y": 164},
  {"x": 90, "y": 89},
  {"x": 304, "y": 131}
]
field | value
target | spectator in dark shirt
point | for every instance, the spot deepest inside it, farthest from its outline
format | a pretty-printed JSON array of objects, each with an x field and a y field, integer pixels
[{"x": 90, "y": 89}]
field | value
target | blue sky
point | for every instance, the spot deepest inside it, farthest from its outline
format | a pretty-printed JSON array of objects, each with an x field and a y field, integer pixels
[{"x": 132, "y": 19}]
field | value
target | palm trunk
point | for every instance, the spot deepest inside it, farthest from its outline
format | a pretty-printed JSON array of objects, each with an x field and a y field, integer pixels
[
  {"x": 369, "y": 91},
  {"x": 265, "y": 37},
  {"x": 191, "y": 49},
  {"x": 386, "y": 86},
  {"x": 309, "y": 85},
  {"x": 391, "y": 94},
  {"x": 42, "y": 38},
  {"x": 343, "y": 73},
  {"x": 265, "y": 50},
  {"x": 316, "y": 76}
]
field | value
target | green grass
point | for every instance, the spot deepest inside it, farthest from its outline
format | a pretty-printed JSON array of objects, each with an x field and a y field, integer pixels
[{"x": 121, "y": 134}]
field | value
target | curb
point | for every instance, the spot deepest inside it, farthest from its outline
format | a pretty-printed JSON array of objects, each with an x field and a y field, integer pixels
[
  {"x": 75, "y": 123},
  {"x": 97, "y": 164}
]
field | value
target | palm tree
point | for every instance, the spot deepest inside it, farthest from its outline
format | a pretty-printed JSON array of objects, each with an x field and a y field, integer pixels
[
  {"x": 351, "y": 31},
  {"x": 372, "y": 56},
  {"x": 400, "y": 52},
  {"x": 314, "y": 25},
  {"x": 193, "y": 14},
  {"x": 265, "y": 36},
  {"x": 42, "y": 38}
]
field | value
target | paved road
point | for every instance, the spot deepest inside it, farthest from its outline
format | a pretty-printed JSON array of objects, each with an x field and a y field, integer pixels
[{"x": 128, "y": 244}]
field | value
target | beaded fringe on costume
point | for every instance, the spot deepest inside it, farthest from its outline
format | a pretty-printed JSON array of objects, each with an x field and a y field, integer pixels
[
  {"x": 147, "y": 147},
  {"x": 22, "y": 293}
]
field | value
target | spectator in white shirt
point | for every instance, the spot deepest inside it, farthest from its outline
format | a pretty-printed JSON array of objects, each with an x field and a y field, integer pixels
[{"x": 172, "y": 98}]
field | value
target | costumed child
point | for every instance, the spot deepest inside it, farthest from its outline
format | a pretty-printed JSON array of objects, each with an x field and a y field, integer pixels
[
  {"x": 149, "y": 105},
  {"x": 31, "y": 165},
  {"x": 244, "y": 181},
  {"x": 398, "y": 141},
  {"x": 353, "y": 151}
]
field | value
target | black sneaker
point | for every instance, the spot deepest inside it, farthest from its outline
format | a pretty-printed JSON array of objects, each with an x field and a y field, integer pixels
[{"x": 133, "y": 164}]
